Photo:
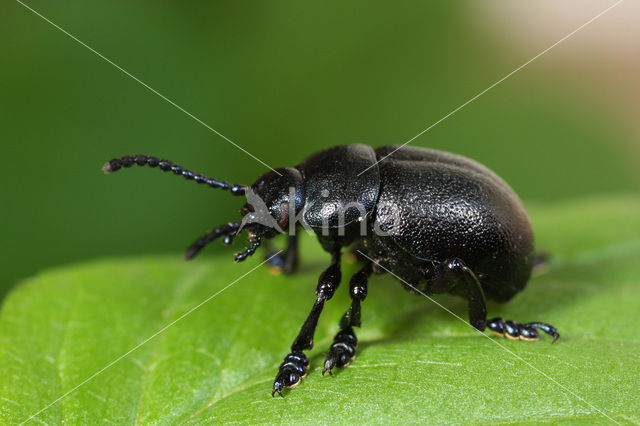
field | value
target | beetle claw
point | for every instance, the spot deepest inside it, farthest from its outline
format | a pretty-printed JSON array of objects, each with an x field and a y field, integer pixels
[
  {"x": 277, "y": 387},
  {"x": 329, "y": 363}
]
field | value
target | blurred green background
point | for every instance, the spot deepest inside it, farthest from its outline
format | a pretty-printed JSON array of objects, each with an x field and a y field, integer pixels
[{"x": 283, "y": 79}]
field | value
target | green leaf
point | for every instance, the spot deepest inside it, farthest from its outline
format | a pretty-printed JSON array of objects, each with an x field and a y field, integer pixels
[{"x": 416, "y": 362}]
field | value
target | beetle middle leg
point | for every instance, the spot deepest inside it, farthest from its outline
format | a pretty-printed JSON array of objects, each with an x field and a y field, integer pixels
[
  {"x": 451, "y": 272},
  {"x": 343, "y": 349},
  {"x": 295, "y": 364}
]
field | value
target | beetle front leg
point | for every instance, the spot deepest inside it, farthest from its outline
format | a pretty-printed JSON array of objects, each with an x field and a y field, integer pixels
[
  {"x": 343, "y": 349},
  {"x": 295, "y": 365},
  {"x": 287, "y": 261}
]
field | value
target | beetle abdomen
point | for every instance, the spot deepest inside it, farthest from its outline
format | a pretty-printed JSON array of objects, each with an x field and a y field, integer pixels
[{"x": 436, "y": 206}]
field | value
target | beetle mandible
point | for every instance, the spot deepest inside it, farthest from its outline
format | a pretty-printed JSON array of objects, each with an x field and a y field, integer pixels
[{"x": 438, "y": 221}]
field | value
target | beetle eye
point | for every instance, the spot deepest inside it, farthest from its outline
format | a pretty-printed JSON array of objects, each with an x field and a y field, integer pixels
[
  {"x": 284, "y": 214},
  {"x": 246, "y": 209}
]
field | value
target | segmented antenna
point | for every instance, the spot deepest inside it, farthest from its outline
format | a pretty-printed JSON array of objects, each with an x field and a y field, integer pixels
[
  {"x": 228, "y": 231},
  {"x": 166, "y": 165},
  {"x": 255, "y": 243}
]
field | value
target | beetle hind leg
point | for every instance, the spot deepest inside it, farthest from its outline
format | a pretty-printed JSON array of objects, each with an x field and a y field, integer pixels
[
  {"x": 514, "y": 330},
  {"x": 445, "y": 276},
  {"x": 453, "y": 272}
]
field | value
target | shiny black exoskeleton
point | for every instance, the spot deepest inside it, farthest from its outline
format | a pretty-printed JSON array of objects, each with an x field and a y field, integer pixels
[{"x": 437, "y": 221}]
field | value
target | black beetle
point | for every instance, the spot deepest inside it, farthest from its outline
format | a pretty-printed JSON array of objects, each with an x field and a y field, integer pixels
[{"x": 439, "y": 222}]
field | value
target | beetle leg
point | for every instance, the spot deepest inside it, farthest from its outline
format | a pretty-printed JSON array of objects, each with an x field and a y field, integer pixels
[
  {"x": 343, "y": 349},
  {"x": 448, "y": 274},
  {"x": 285, "y": 262},
  {"x": 295, "y": 364},
  {"x": 514, "y": 330},
  {"x": 455, "y": 268}
]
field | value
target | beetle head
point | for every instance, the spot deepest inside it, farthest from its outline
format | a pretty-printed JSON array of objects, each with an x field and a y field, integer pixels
[
  {"x": 265, "y": 214},
  {"x": 271, "y": 201}
]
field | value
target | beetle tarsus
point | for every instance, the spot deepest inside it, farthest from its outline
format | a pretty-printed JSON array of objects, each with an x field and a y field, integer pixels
[
  {"x": 291, "y": 371},
  {"x": 342, "y": 351},
  {"x": 514, "y": 330}
]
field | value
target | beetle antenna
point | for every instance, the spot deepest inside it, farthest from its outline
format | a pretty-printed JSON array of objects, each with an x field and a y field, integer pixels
[
  {"x": 227, "y": 230},
  {"x": 255, "y": 243},
  {"x": 166, "y": 165}
]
